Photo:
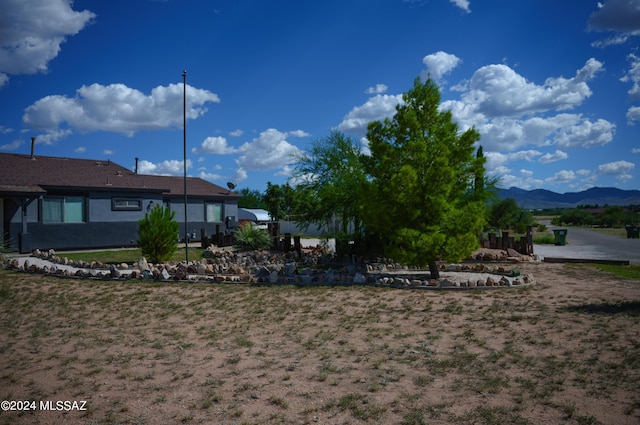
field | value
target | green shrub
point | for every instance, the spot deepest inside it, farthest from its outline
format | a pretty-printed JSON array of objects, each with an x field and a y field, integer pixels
[
  {"x": 248, "y": 237},
  {"x": 158, "y": 234},
  {"x": 545, "y": 239},
  {"x": 506, "y": 214},
  {"x": 575, "y": 217}
]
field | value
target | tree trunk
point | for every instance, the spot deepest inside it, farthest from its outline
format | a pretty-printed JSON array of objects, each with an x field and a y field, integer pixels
[{"x": 433, "y": 270}]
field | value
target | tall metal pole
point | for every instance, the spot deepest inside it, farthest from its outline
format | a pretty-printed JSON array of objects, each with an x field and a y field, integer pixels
[{"x": 184, "y": 137}]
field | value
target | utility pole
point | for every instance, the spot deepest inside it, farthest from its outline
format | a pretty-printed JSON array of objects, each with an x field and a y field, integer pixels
[{"x": 184, "y": 137}]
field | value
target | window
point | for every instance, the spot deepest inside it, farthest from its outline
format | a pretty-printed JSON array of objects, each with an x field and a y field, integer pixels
[
  {"x": 67, "y": 209},
  {"x": 126, "y": 204},
  {"x": 214, "y": 213}
]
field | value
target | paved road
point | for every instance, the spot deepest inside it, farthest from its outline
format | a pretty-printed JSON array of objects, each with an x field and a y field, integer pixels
[{"x": 582, "y": 243}]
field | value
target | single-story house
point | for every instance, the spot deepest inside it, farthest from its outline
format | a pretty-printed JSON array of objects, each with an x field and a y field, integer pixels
[{"x": 65, "y": 203}]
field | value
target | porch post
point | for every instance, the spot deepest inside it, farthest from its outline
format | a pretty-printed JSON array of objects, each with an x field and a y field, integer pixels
[{"x": 24, "y": 237}]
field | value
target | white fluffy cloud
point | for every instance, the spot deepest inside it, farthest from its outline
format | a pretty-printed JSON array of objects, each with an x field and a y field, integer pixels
[
  {"x": 51, "y": 136},
  {"x": 269, "y": 151},
  {"x": 32, "y": 32},
  {"x": 519, "y": 120},
  {"x": 210, "y": 176},
  {"x": 117, "y": 108},
  {"x": 580, "y": 179},
  {"x": 633, "y": 76},
  {"x": 524, "y": 180},
  {"x": 240, "y": 175},
  {"x": 215, "y": 145},
  {"x": 165, "y": 168},
  {"x": 586, "y": 134},
  {"x": 508, "y": 134},
  {"x": 377, "y": 89},
  {"x": 562, "y": 177},
  {"x": 12, "y": 146},
  {"x": 508, "y": 111},
  {"x": 298, "y": 133},
  {"x": 439, "y": 64},
  {"x": 499, "y": 91},
  {"x": 496, "y": 161},
  {"x": 376, "y": 108},
  {"x": 633, "y": 114},
  {"x": 462, "y": 4},
  {"x": 611, "y": 41},
  {"x": 558, "y": 155},
  {"x": 619, "y": 169},
  {"x": 511, "y": 112}
]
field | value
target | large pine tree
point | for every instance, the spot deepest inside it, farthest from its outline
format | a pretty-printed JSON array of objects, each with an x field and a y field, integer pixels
[{"x": 420, "y": 196}]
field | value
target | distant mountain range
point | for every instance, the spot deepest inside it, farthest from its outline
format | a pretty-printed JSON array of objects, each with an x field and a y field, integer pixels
[{"x": 541, "y": 198}]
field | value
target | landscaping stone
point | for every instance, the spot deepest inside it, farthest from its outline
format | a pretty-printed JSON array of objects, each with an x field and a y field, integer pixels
[
  {"x": 115, "y": 273},
  {"x": 223, "y": 265},
  {"x": 273, "y": 277},
  {"x": 165, "y": 274},
  {"x": 142, "y": 264}
]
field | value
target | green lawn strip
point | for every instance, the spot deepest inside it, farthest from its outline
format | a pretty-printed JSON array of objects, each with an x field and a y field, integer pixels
[{"x": 117, "y": 256}]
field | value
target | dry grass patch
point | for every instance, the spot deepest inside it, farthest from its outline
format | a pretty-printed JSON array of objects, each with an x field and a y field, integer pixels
[{"x": 564, "y": 351}]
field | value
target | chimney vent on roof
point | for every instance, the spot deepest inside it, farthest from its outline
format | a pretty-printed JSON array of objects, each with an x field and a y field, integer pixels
[
  {"x": 33, "y": 145},
  {"x": 136, "y": 172}
]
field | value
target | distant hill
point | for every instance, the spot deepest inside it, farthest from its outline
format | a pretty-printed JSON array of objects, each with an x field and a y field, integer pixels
[{"x": 541, "y": 198}]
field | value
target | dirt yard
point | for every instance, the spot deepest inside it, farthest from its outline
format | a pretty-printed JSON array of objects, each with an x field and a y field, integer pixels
[{"x": 566, "y": 350}]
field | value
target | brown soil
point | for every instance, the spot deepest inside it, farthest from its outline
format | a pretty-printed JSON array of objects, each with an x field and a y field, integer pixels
[{"x": 566, "y": 350}]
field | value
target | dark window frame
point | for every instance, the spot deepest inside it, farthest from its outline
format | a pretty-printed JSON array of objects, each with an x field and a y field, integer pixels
[
  {"x": 206, "y": 212},
  {"x": 64, "y": 219},
  {"x": 115, "y": 207}
]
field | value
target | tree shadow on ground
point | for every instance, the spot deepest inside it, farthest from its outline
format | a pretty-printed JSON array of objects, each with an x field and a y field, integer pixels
[{"x": 631, "y": 308}]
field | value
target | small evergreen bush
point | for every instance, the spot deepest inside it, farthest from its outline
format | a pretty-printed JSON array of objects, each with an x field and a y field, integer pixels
[
  {"x": 158, "y": 234},
  {"x": 247, "y": 237}
]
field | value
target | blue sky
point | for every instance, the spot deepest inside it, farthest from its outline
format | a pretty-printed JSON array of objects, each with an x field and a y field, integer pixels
[{"x": 553, "y": 86}]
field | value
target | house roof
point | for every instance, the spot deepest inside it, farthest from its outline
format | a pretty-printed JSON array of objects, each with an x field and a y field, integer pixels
[{"x": 23, "y": 175}]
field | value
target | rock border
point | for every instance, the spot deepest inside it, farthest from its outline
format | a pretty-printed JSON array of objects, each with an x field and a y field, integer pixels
[{"x": 225, "y": 266}]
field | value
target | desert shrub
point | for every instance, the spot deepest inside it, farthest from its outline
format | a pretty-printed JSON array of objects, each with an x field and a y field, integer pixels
[
  {"x": 506, "y": 214},
  {"x": 247, "y": 237},
  {"x": 575, "y": 217},
  {"x": 158, "y": 234},
  {"x": 544, "y": 239}
]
